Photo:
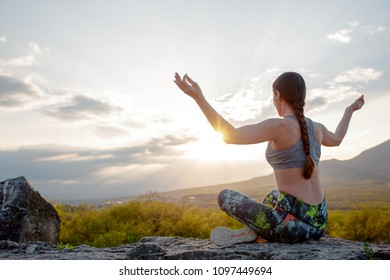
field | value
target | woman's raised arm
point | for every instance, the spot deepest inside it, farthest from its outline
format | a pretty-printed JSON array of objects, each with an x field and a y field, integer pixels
[
  {"x": 192, "y": 89},
  {"x": 334, "y": 139},
  {"x": 249, "y": 134}
]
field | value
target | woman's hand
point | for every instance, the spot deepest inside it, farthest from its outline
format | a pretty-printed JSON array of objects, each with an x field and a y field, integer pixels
[
  {"x": 188, "y": 86},
  {"x": 357, "y": 104},
  {"x": 331, "y": 139}
]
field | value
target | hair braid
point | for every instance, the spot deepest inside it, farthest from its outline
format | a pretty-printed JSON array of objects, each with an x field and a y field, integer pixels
[
  {"x": 309, "y": 164},
  {"x": 292, "y": 89}
]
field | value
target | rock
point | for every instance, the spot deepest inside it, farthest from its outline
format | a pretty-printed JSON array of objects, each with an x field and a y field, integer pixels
[
  {"x": 178, "y": 248},
  {"x": 6, "y": 244},
  {"x": 147, "y": 251},
  {"x": 327, "y": 248},
  {"x": 25, "y": 215}
]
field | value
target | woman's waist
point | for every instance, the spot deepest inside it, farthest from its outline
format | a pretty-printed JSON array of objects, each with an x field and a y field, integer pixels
[{"x": 309, "y": 191}]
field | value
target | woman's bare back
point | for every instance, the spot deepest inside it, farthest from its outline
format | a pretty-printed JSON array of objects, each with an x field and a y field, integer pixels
[{"x": 291, "y": 180}]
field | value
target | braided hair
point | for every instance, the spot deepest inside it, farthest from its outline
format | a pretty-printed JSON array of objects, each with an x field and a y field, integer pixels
[{"x": 292, "y": 89}]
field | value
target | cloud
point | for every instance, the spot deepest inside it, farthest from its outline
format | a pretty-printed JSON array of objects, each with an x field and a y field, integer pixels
[
  {"x": 345, "y": 35},
  {"x": 29, "y": 59},
  {"x": 106, "y": 131},
  {"x": 314, "y": 75},
  {"x": 133, "y": 124},
  {"x": 35, "y": 48},
  {"x": 273, "y": 70},
  {"x": 251, "y": 103},
  {"x": 321, "y": 98},
  {"x": 246, "y": 105},
  {"x": 353, "y": 23},
  {"x": 16, "y": 93},
  {"x": 343, "y": 86},
  {"x": 358, "y": 75},
  {"x": 240, "y": 106},
  {"x": 372, "y": 30},
  {"x": 72, "y": 172},
  {"x": 342, "y": 36},
  {"x": 3, "y": 39},
  {"x": 81, "y": 108},
  {"x": 171, "y": 141}
]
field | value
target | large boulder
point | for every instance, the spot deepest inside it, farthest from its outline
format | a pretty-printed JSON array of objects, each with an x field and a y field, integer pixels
[{"x": 25, "y": 215}]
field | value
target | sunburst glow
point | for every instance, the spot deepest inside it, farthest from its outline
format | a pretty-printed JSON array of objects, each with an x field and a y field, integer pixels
[{"x": 212, "y": 148}]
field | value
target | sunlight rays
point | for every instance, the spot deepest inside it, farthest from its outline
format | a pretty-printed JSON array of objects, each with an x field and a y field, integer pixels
[{"x": 212, "y": 148}]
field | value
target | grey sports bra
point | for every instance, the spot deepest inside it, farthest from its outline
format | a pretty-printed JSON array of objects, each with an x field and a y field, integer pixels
[{"x": 294, "y": 156}]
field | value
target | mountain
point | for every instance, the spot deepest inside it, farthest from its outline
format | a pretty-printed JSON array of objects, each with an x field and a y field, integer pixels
[{"x": 372, "y": 164}]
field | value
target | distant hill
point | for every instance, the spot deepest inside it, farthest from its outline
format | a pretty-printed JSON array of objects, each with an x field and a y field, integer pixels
[
  {"x": 363, "y": 179},
  {"x": 372, "y": 164}
]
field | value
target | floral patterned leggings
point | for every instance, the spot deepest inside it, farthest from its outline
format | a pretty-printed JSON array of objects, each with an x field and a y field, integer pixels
[{"x": 281, "y": 217}]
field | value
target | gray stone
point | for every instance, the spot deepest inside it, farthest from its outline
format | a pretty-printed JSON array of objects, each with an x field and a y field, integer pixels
[
  {"x": 25, "y": 215},
  {"x": 147, "y": 251},
  {"x": 178, "y": 248},
  {"x": 6, "y": 244},
  {"x": 327, "y": 248},
  {"x": 34, "y": 248}
]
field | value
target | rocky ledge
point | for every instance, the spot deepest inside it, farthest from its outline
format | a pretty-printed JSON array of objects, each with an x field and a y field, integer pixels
[{"x": 178, "y": 248}]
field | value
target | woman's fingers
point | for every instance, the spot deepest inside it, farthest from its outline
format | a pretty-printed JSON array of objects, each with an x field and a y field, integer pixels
[
  {"x": 358, "y": 104},
  {"x": 188, "y": 86},
  {"x": 190, "y": 80},
  {"x": 185, "y": 82},
  {"x": 182, "y": 83},
  {"x": 179, "y": 81},
  {"x": 361, "y": 100},
  {"x": 177, "y": 78}
]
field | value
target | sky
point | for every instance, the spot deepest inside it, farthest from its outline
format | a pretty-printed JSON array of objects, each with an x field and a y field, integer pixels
[{"x": 88, "y": 107}]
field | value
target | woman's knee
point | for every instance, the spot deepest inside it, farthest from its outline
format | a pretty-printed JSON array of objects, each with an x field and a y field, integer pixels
[
  {"x": 271, "y": 198},
  {"x": 227, "y": 197},
  {"x": 222, "y": 196}
]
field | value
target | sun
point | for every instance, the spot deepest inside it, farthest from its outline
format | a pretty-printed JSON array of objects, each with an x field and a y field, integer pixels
[{"x": 211, "y": 148}]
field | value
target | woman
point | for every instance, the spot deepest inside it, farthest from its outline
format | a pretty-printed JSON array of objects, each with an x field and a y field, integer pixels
[{"x": 297, "y": 210}]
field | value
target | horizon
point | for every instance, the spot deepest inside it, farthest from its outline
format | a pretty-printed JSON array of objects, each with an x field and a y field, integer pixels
[
  {"x": 90, "y": 110},
  {"x": 119, "y": 199}
]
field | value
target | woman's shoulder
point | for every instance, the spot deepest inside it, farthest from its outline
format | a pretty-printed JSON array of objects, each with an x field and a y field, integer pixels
[
  {"x": 286, "y": 124},
  {"x": 317, "y": 125},
  {"x": 274, "y": 122},
  {"x": 318, "y": 129}
]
